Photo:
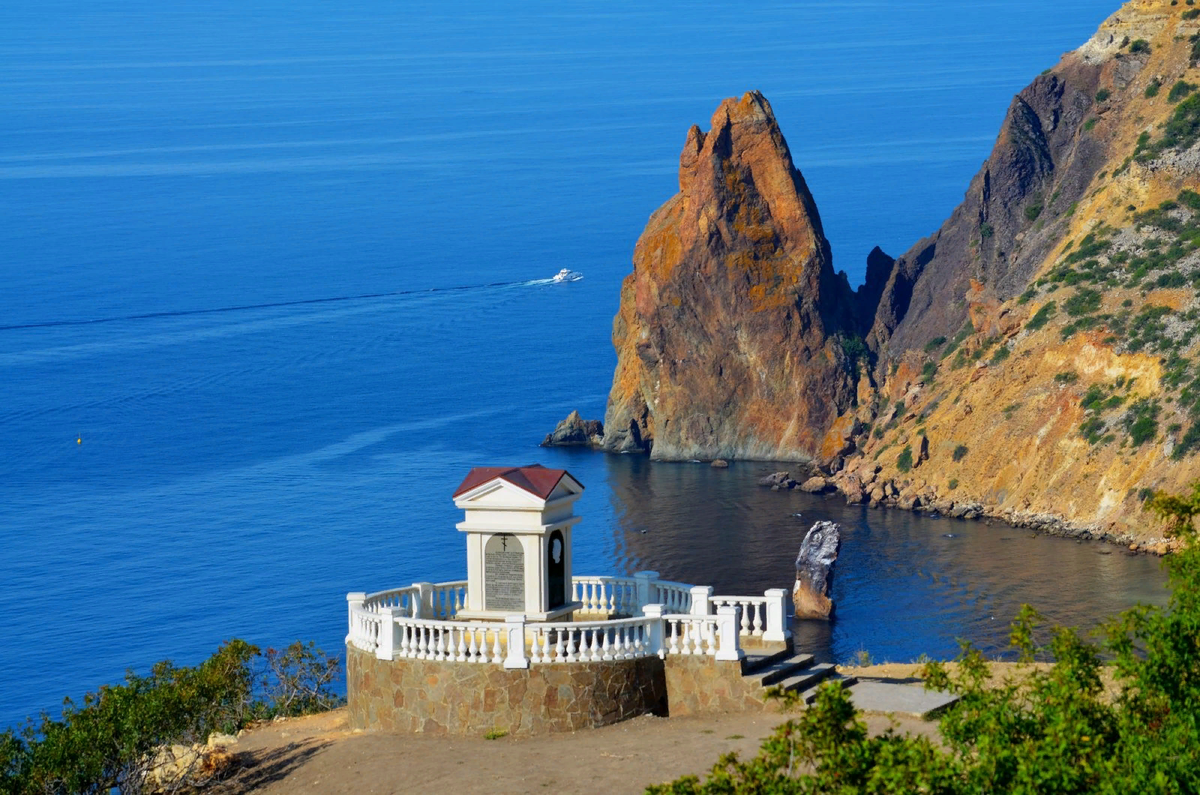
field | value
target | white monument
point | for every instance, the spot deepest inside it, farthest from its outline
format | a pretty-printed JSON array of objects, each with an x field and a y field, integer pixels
[{"x": 518, "y": 527}]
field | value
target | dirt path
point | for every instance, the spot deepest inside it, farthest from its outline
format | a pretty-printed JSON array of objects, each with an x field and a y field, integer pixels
[{"x": 318, "y": 754}]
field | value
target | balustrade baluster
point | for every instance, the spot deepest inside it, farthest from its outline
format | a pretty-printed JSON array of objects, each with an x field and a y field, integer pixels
[
  {"x": 546, "y": 646},
  {"x": 758, "y": 622},
  {"x": 605, "y": 650},
  {"x": 558, "y": 645},
  {"x": 673, "y": 644},
  {"x": 472, "y": 647},
  {"x": 497, "y": 656},
  {"x": 745, "y": 625}
]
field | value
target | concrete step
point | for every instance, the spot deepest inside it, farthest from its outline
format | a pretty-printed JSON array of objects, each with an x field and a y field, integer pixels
[
  {"x": 779, "y": 670},
  {"x": 900, "y": 698},
  {"x": 756, "y": 662},
  {"x": 805, "y": 681}
]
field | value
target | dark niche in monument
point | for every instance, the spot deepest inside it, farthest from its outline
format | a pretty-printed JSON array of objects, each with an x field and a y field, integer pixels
[
  {"x": 504, "y": 573},
  {"x": 556, "y": 570}
]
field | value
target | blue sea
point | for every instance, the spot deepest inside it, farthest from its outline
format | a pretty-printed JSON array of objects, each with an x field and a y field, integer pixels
[{"x": 273, "y": 278}]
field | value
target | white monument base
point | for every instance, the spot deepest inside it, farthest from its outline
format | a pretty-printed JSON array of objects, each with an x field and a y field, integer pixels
[{"x": 557, "y": 614}]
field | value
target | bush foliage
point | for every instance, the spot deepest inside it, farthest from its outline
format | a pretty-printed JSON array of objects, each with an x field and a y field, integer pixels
[
  {"x": 1049, "y": 729},
  {"x": 108, "y": 742}
]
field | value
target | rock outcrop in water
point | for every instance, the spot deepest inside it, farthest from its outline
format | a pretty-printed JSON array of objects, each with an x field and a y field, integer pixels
[
  {"x": 814, "y": 570},
  {"x": 575, "y": 431},
  {"x": 730, "y": 328},
  {"x": 1037, "y": 359}
]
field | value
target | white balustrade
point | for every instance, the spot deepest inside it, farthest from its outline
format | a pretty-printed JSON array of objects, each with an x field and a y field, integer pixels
[
  {"x": 570, "y": 642},
  {"x": 608, "y": 595},
  {"x": 675, "y": 597},
  {"x": 447, "y": 598},
  {"x": 417, "y": 623},
  {"x": 458, "y": 641},
  {"x": 403, "y": 598},
  {"x": 685, "y": 634},
  {"x": 754, "y": 611}
]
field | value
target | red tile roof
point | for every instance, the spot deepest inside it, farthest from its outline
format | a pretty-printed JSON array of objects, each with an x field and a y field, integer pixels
[{"x": 534, "y": 478}]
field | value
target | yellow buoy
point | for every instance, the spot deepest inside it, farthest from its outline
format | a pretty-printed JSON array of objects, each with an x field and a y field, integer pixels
[{"x": 79, "y": 440}]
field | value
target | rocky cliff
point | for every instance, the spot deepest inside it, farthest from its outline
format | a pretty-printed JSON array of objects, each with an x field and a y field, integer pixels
[
  {"x": 730, "y": 329},
  {"x": 1037, "y": 355},
  {"x": 1036, "y": 359}
]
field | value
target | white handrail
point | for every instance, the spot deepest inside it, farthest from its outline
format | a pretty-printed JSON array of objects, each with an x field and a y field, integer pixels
[
  {"x": 610, "y": 595},
  {"x": 754, "y": 612},
  {"x": 570, "y": 642}
]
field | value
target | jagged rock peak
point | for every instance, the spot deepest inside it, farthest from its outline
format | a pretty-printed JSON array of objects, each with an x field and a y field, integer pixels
[{"x": 725, "y": 333}]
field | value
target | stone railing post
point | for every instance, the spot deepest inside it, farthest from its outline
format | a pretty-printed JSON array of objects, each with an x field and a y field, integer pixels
[
  {"x": 354, "y": 601},
  {"x": 654, "y": 643},
  {"x": 515, "y": 630},
  {"x": 701, "y": 600},
  {"x": 645, "y": 587},
  {"x": 423, "y": 600},
  {"x": 776, "y": 630},
  {"x": 729, "y": 646},
  {"x": 387, "y": 633}
]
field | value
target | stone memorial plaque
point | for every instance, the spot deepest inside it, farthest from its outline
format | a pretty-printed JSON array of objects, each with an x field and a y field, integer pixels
[{"x": 504, "y": 574}]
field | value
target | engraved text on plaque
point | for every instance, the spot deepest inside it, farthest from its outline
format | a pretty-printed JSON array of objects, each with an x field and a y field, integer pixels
[{"x": 504, "y": 574}]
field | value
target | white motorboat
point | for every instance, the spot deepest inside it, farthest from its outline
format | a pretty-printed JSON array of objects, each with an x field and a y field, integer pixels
[{"x": 567, "y": 275}]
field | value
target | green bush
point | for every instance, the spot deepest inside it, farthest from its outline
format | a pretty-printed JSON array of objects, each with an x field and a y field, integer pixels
[
  {"x": 1001, "y": 354},
  {"x": 1068, "y": 377},
  {"x": 904, "y": 461},
  {"x": 1050, "y": 729},
  {"x": 1179, "y": 90},
  {"x": 1084, "y": 302},
  {"x": 1042, "y": 317},
  {"x": 1103, "y": 94},
  {"x": 960, "y": 452},
  {"x": 1191, "y": 13},
  {"x": 1139, "y": 45},
  {"x": 109, "y": 740},
  {"x": 986, "y": 230},
  {"x": 1033, "y": 211},
  {"x": 1152, "y": 89},
  {"x": 934, "y": 344}
]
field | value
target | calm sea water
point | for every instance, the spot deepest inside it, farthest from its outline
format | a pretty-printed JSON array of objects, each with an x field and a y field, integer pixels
[{"x": 279, "y": 267}]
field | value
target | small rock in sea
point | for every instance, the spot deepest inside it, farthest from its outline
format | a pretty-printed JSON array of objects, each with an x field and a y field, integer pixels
[
  {"x": 643, "y": 532},
  {"x": 934, "y": 515},
  {"x": 814, "y": 571},
  {"x": 949, "y": 535},
  {"x": 797, "y": 515},
  {"x": 720, "y": 463}
]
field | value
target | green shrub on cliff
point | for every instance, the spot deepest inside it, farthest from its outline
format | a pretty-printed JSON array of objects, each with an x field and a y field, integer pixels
[
  {"x": 1040, "y": 730},
  {"x": 905, "y": 460},
  {"x": 109, "y": 740}
]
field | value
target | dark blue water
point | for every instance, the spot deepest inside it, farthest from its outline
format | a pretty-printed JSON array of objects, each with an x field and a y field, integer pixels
[{"x": 239, "y": 469}]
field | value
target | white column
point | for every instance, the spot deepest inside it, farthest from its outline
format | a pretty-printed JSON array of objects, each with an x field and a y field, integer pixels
[
  {"x": 654, "y": 643},
  {"x": 515, "y": 627},
  {"x": 645, "y": 583},
  {"x": 423, "y": 602},
  {"x": 354, "y": 601},
  {"x": 776, "y": 630},
  {"x": 729, "y": 645},
  {"x": 701, "y": 597},
  {"x": 387, "y": 633}
]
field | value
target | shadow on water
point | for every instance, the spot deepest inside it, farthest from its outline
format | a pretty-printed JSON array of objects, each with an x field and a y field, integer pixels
[{"x": 905, "y": 584}]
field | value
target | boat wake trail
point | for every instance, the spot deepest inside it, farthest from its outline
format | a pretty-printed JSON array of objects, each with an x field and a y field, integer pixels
[{"x": 271, "y": 305}]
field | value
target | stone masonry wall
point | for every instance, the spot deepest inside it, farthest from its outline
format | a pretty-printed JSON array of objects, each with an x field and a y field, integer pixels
[
  {"x": 436, "y": 697},
  {"x": 698, "y": 684}
]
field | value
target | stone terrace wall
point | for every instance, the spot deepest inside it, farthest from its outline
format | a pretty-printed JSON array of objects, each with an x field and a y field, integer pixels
[
  {"x": 460, "y": 698},
  {"x": 698, "y": 684}
]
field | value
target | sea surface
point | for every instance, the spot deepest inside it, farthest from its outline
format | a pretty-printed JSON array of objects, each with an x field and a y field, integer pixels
[{"x": 273, "y": 277}]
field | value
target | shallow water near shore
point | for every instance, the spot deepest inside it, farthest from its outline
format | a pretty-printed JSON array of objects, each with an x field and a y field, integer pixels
[{"x": 274, "y": 279}]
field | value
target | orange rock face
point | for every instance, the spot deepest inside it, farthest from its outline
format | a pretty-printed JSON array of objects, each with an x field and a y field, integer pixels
[{"x": 729, "y": 331}]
